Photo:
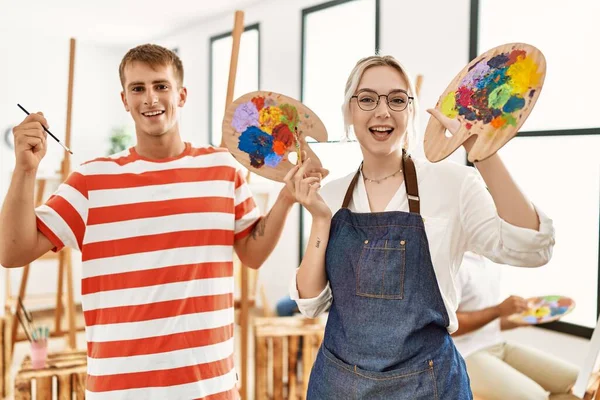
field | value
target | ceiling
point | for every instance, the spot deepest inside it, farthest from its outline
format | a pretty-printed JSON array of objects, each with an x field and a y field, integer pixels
[{"x": 109, "y": 21}]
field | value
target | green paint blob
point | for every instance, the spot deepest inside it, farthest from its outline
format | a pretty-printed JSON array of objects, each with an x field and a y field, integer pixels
[
  {"x": 510, "y": 120},
  {"x": 499, "y": 96},
  {"x": 289, "y": 116}
]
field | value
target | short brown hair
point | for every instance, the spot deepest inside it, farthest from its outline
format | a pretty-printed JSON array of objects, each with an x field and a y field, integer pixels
[{"x": 153, "y": 55}]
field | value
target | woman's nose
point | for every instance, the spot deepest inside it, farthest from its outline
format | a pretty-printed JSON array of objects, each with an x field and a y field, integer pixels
[{"x": 382, "y": 109}]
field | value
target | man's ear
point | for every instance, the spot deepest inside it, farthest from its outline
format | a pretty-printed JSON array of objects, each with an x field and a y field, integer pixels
[
  {"x": 182, "y": 96},
  {"x": 124, "y": 100}
]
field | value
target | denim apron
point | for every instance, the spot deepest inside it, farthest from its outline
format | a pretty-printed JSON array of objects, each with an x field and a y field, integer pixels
[{"x": 386, "y": 335}]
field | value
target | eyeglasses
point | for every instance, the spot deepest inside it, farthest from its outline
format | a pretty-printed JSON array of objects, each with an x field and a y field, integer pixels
[{"x": 368, "y": 100}]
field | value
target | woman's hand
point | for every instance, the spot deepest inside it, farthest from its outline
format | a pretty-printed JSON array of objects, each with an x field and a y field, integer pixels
[
  {"x": 305, "y": 189},
  {"x": 453, "y": 126}
]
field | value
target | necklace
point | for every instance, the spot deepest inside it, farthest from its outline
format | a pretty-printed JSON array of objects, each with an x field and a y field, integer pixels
[{"x": 378, "y": 180}]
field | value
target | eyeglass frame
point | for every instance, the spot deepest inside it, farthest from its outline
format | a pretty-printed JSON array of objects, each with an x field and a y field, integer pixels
[{"x": 387, "y": 101}]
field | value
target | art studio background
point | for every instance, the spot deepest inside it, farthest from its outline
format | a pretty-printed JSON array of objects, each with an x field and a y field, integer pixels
[{"x": 305, "y": 49}]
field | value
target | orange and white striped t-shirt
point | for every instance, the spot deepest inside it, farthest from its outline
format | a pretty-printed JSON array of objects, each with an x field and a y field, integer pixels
[{"x": 156, "y": 239}]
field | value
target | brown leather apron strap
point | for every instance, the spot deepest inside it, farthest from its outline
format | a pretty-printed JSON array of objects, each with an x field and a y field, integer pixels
[
  {"x": 350, "y": 190},
  {"x": 410, "y": 181}
]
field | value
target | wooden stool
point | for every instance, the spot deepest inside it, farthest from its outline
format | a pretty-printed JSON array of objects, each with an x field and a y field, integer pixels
[
  {"x": 276, "y": 341},
  {"x": 68, "y": 367}
]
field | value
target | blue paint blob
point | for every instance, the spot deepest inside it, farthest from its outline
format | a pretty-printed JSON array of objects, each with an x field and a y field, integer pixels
[
  {"x": 493, "y": 80},
  {"x": 257, "y": 144},
  {"x": 513, "y": 104},
  {"x": 272, "y": 160},
  {"x": 499, "y": 61},
  {"x": 469, "y": 114}
]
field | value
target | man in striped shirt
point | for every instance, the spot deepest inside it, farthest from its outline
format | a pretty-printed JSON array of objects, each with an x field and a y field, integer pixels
[{"x": 156, "y": 225}]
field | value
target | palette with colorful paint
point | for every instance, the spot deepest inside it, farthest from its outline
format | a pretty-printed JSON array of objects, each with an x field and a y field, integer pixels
[
  {"x": 266, "y": 132},
  {"x": 491, "y": 98},
  {"x": 544, "y": 309}
]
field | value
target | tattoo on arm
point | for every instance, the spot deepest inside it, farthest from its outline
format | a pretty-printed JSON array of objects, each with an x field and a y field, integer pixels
[
  {"x": 259, "y": 228},
  {"x": 318, "y": 242}
]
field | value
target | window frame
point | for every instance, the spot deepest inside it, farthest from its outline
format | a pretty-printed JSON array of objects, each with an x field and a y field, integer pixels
[
  {"x": 305, "y": 13},
  {"x": 558, "y": 326}
]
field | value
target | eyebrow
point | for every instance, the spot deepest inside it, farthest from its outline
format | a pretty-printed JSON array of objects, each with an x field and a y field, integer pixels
[
  {"x": 142, "y": 83},
  {"x": 373, "y": 90}
]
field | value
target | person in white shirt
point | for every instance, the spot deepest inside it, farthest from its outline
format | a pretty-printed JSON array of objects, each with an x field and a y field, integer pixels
[
  {"x": 500, "y": 370},
  {"x": 386, "y": 243}
]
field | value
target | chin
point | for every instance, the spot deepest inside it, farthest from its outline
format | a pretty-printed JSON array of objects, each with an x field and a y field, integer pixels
[
  {"x": 383, "y": 152},
  {"x": 381, "y": 149}
]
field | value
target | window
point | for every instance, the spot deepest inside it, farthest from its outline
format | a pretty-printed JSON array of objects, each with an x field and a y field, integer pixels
[
  {"x": 247, "y": 78},
  {"x": 335, "y": 35},
  {"x": 329, "y": 53},
  {"x": 555, "y": 156}
]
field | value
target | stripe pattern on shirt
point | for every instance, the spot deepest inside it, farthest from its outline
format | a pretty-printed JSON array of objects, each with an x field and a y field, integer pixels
[{"x": 157, "y": 282}]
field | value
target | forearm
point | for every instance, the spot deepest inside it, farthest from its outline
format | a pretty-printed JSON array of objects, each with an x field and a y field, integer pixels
[
  {"x": 512, "y": 205},
  {"x": 18, "y": 230},
  {"x": 311, "y": 277},
  {"x": 263, "y": 238},
  {"x": 470, "y": 321},
  {"x": 506, "y": 324}
]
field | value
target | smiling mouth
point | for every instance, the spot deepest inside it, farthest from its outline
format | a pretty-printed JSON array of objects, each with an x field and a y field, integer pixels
[
  {"x": 151, "y": 114},
  {"x": 381, "y": 132}
]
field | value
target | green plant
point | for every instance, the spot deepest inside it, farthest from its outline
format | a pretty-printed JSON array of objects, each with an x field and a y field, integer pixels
[{"x": 120, "y": 139}]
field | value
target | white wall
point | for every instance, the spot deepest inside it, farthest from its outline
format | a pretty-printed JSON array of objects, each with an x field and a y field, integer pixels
[{"x": 36, "y": 76}]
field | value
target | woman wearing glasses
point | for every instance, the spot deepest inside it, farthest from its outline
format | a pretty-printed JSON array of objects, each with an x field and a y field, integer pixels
[{"x": 386, "y": 242}]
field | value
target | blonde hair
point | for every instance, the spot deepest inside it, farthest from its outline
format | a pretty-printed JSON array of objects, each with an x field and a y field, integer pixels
[{"x": 352, "y": 83}]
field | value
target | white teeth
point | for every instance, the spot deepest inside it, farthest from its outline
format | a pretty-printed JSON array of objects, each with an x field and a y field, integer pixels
[
  {"x": 152, "y": 113},
  {"x": 381, "y": 129}
]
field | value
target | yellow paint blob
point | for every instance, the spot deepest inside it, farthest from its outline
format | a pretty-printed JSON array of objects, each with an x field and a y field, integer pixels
[
  {"x": 523, "y": 75},
  {"x": 449, "y": 106}
]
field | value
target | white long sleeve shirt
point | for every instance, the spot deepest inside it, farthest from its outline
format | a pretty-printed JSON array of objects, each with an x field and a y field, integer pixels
[
  {"x": 477, "y": 288},
  {"x": 459, "y": 215}
]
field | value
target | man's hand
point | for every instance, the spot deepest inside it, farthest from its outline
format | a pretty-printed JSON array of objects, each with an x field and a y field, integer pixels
[
  {"x": 512, "y": 305},
  {"x": 30, "y": 142}
]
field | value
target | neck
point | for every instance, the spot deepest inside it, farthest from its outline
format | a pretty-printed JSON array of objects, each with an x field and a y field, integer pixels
[
  {"x": 378, "y": 167},
  {"x": 159, "y": 147}
]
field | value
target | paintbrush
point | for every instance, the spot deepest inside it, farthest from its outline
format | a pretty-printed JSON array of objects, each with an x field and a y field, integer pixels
[
  {"x": 48, "y": 132},
  {"x": 298, "y": 148},
  {"x": 24, "y": 327}
]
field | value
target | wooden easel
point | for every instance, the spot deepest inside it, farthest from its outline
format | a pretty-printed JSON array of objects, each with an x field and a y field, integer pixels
[
  {"x": 244, "y": 303},
  {"x": 64, "y": 256},
  {"x": 418, "y": 84}
]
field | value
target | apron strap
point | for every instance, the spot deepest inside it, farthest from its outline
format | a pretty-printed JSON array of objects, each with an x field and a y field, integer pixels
[
  {"x": 410, "y": 182},
  {"x": 350, "y": 190}
]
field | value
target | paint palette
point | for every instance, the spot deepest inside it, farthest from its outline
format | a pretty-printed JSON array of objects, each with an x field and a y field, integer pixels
[
  {"x": 265, "y": 132},
  {"x": 544, "y": 309},
  {"x": 491, "y": 98}
]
